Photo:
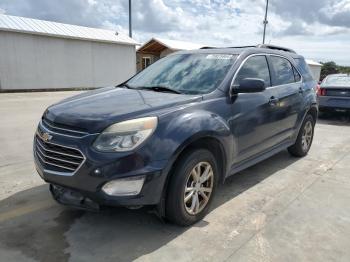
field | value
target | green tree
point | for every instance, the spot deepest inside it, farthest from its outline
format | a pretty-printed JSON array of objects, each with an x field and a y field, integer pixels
[
  {"x": 328, "y": 68},
  {"x": 344, "y": 69}
]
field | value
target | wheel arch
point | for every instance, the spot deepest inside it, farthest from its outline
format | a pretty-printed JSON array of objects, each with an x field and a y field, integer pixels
[
  {"x": 313, "y": 110},
  {"x": 209, "y": 142}
]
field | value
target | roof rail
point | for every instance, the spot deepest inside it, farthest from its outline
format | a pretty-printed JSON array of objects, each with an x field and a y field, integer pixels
[
  {"x": 275, "y": 47},
  {"x": 213, "y": 47}
]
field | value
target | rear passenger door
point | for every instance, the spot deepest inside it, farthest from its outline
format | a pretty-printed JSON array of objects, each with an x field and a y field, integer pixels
[{"x": 287, "y": 88}]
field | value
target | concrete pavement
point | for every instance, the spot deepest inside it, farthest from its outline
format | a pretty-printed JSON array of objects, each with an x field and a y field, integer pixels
[{"x": 283, "y": 209}]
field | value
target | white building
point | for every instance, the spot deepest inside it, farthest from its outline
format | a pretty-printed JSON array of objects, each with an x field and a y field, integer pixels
[
  {"x": 157, "y": 48},
  {"x": 36, "y": 54}
]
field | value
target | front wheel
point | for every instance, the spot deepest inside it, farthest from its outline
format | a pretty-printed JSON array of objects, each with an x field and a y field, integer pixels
[
  {"x": 192, "y": 187},
  {"x": 304, "y": 140}
]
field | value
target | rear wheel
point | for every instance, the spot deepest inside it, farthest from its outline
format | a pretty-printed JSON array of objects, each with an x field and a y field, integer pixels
[
  {"x": 304, "y": 140},
  {"x": 192, "y": 187}
]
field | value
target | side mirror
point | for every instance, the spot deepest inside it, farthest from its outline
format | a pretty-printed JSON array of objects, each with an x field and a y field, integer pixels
[{"x": 249, "y": 85}]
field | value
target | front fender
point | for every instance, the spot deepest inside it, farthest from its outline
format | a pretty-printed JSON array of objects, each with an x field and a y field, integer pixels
[{"x": 178, "y": 132}]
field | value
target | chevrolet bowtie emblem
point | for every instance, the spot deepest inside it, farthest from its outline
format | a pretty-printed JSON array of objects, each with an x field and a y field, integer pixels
[{"x": 46, "y": 137}]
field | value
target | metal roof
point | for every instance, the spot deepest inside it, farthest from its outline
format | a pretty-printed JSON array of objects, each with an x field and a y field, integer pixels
[
  {"x": 54, "y": 29},
  {"x": 171, "y": 44},
  {"x": 178, "y": 45},
  {"x": 312, "y": 62}
]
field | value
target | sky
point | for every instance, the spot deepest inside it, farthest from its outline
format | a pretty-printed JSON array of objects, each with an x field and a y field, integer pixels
[{"x": 317, "y": 29}]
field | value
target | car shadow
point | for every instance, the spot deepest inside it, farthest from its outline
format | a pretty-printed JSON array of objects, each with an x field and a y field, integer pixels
[
  {"x": 34, "y": 225},
  {"x": 334, "y": 118}
]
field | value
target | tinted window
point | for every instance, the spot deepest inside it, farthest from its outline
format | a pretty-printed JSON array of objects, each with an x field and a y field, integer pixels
[
  {"x": 282, "y": 71},
  {"x": 186, "y": 73},
  {"x": 303, "y": 68},
  {"x": 297, "y": 76},
  {"x": 254, "y": 67}
]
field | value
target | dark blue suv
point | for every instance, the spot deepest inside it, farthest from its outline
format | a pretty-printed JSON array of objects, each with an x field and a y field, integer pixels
[{"x": 170, "y": 134}]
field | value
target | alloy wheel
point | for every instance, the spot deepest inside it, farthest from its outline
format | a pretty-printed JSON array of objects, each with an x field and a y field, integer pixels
[
  {"x": 198, "y": 188},
  {"x": 306, "y": 138}
]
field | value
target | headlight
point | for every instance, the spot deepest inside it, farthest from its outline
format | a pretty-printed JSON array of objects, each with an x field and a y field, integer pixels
[{"x": 125, "y": 136}]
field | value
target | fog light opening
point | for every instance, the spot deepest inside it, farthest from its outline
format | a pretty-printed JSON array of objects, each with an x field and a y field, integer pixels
[
  {"x": 130, "y": 186},
  {"x": 134, "y": 207}
]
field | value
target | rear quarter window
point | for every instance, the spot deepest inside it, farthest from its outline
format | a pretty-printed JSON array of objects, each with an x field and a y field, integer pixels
[{"x": 303, "y": 69}]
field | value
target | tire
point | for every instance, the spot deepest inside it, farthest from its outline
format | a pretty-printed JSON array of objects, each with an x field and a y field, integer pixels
[
  {"x": 304, "y": 140},
  {"x": 185, "y": 213}
]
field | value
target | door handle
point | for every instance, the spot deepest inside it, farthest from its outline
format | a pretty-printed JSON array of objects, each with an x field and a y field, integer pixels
[{"x": 273, "y": 101}]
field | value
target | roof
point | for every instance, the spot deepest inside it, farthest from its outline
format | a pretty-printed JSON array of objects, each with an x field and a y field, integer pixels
[
  {"x": 159, "y": 44},
  {"x": 247, "y": 49},
  {"x": 267, "y": 46},
  {"x": 54, "y": 29},
  {"x": 312, "y": 62}
]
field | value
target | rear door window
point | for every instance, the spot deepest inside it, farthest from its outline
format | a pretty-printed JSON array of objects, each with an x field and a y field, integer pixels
[
  {"x": 282, "y": 71},
  {"x": 254, "y": 67}
]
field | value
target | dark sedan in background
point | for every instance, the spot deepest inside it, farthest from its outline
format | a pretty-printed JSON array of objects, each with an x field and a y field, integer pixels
[{"x": 334, "y": 93}]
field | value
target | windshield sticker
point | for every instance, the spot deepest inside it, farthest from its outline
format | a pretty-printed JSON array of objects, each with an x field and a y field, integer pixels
[{"x": 219, "y": 56}]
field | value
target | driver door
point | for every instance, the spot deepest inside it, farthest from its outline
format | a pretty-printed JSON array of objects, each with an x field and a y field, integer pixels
[{"x": 252, "y": 113}]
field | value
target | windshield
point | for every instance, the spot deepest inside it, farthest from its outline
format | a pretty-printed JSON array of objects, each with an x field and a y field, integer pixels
[
  {"x": 185, "y": 73},
  {"x": 337, "y": 81}
]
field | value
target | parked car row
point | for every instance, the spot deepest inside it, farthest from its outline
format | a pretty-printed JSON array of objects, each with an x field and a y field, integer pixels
[{"x": 169, "y": 135}]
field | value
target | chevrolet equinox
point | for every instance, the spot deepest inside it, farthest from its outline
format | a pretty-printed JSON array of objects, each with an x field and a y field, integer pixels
[{"x": 170, "y": 134}]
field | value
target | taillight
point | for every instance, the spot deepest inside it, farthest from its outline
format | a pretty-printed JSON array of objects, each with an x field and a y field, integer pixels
[{"x": 320, "y": 91}]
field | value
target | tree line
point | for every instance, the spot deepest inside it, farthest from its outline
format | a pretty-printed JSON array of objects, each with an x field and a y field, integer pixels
[{"x": 332, "y": 68}]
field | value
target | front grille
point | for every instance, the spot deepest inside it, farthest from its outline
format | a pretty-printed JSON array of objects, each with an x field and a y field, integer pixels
[
  {"x": 63, "y": 129},
  {"x": 56, "y": 157}
]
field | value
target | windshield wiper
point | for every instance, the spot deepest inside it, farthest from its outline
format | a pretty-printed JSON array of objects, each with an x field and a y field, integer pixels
[
  {"x": 163, "y": 89},
  {"x": 153, "y": 88},
  {"x": 125, "y": 85}
]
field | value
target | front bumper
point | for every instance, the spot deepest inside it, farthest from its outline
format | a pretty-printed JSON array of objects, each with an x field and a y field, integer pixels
[
  {"x": 73, "y": 198},
  {"x": 334, "y": 103},
  {"x": 88, "y": 184}
]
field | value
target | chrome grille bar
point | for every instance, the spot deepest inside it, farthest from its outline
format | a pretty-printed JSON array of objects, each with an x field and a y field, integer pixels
[
  {"x": 52, "y": 164},
  {"x": 77, "y": 133},
  {"x": 57, "y": 158},
  {"x": 57, "y": 152}
]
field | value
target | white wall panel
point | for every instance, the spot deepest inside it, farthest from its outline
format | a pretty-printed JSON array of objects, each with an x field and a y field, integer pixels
[{"x": 44, "y": 62}]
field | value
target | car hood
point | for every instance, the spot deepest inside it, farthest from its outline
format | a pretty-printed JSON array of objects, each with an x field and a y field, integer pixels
[{"x": 95, "y": 110}]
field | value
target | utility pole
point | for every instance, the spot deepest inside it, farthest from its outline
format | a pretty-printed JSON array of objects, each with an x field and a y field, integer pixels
[
  {"x": 265, "y": 20},
  {"x": 130, "y": 20}
]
